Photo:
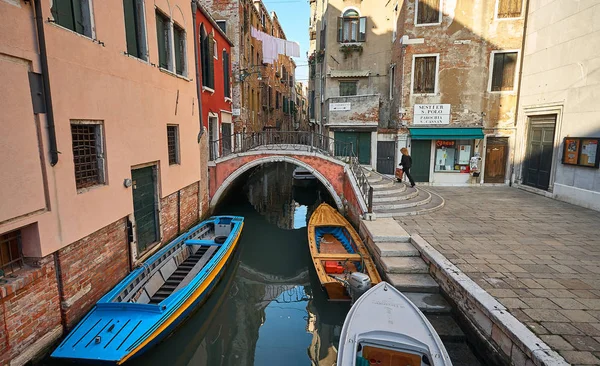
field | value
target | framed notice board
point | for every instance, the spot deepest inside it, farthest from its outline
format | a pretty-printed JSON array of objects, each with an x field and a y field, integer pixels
[{"x": 581, "y": 151}]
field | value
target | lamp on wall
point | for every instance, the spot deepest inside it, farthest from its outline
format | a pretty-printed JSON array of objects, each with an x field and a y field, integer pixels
[{"x": 244, "y": 74}]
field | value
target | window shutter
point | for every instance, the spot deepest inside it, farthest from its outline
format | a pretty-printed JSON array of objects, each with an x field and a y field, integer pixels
[
  {"x": 508, "y": 72},
  {"x": 497, "y": 72},
  {"x": 509, "y": 8},
  {"x": 430, "y": 75},
  {"x": 161, "y": 40},
  {"x": 211, "y": 63},
  {"x": 340, "y": 24},
  {"x": 78, "y": 17},
  {"x": 130, "y": 28},
  {"x": 62, "y": 11},
  {"x": 362, "y": 33},
  {"x": 428, "y": 12}
]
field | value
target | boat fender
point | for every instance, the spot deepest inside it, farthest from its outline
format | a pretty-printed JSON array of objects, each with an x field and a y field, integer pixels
[{"x": 220, "y": 239}]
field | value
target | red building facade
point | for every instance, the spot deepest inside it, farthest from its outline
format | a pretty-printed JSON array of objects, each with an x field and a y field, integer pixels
[{"x": 214, "y": 62}]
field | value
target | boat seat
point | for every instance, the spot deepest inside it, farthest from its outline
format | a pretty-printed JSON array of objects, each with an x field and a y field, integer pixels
[
  {"x": 202, "y": 242},
  {"x": 197, "y": 267},
  {"x": 338, "y": 256}
]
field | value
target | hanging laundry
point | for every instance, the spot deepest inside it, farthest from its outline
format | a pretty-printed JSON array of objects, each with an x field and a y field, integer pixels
[
  {"x": 273, "y": 47},
  {"x": 292, "y": 49}
]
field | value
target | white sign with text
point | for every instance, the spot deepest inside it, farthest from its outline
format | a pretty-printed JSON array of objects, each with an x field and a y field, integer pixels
[
  {"x": 340, "y": 106},
  {"x": 431, "y": 114}
]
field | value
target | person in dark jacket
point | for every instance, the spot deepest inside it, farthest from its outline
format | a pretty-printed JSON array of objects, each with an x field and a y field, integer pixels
[{"x": 406, "y": 164}]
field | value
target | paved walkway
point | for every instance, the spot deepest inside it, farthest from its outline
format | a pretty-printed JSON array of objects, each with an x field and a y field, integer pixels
[{"x": 539, "y": 257}]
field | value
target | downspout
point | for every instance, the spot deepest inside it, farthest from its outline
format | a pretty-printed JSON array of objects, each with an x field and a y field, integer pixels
[
  {"x": 198, "y": 71},
  {"x": 39, "y": 21},
  {"x": 512, "y": 165}
]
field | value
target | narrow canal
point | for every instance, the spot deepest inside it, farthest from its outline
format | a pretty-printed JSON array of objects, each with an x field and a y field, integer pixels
[{"x": 269, "y": 308}]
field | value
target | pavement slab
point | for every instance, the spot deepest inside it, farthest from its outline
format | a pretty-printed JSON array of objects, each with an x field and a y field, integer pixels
[{"x": 537, "y": 256}]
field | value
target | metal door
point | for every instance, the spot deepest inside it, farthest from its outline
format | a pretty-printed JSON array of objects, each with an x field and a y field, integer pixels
[
  {"x": 145, "y": 206},
  {"x": 540, "y": 148},
  {"x": 495, "y": 160},
  {"x": 226, "y": 136},
  {"x": 361, "y": 144},
  {"x": 421, "y": 160},
  {"x": 386, "y": 153}
]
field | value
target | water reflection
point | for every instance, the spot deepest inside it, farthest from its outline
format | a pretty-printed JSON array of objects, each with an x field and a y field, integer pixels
[{"x": 269, "y": 308}]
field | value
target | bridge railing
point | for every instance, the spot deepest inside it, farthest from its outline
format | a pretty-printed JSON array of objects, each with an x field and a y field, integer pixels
[{"x": 296, "y": 141}]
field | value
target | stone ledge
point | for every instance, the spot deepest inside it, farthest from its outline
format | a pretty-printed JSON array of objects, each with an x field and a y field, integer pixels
[
  {"x": 520, "y": 346},
  {"x": 19, "y": 280}
]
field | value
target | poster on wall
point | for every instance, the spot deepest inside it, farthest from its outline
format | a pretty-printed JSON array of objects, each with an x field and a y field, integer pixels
[
  {"x": 581, "y": 151},
  {"x": 589, "y": 152},
  {"x": 571, "y": 152}
]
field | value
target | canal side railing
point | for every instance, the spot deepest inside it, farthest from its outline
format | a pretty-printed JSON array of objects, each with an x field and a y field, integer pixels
[{"x": 296, "y": 141}]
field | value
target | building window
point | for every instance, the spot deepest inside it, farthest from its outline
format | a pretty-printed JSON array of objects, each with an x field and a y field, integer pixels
[
  {"x": 504, "y": 68},
  {"x": 135, "y": 30},
  {"x": 88, "y": 153},
  {"x": 215, "y": 49},
  {"x": 348, "y": 88},
  {"x": 424, "y": 74},
  {"x": 223, "y": 25},
  {"x": 207, "y": 58},
  {"x": 509, "y": 8},
  {"x": 173, "y": 144},
  {"x": 276, "y": 100},
  {"x": 226, "y": 76},
  {"x": 11, "y": 253},
  {"x": 180, "y": 54},
  {"x": 285, "y": 105},
  {"x": 453, "y": 155},
  {"x": 75, "y": 15},
  {"x": 163, "y": 37},
  {"x": 428, "y": 12},
  {"x": 352, "y": 27}
]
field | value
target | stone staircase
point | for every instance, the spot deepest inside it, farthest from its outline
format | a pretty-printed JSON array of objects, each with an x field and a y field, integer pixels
[
  {"x": 392, "y": 198},
  {"x": 401, "y": 265}
]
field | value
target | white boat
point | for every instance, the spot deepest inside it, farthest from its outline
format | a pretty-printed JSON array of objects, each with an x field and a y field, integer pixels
[
  {"x": 383, "y": 327},
  {"x": 301, "y": 173}
]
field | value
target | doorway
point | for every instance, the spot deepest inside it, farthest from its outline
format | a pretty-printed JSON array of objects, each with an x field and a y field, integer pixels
[
  {"x": 226, "y": 138},
  {"x": 540, "y": 149},
  {"x": 495, "y": 160},
  {"x": 213, "y": 133},
  {"x": 145, "y": 206},
  {"x": 421, "y": 157},
  {"x": 386, "y": 154},
  {"x": 361, "y": 144}
]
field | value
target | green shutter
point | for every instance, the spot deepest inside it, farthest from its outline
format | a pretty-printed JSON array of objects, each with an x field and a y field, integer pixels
[
  {"x": 129, "y": 10},
  {"x": 62, "y": 11},
  {"x": 178, "y": 36},
  {"x": 77, "y": 16},
  {"x": 211, "y": 61},
  {"x": 162, "y": 41}
]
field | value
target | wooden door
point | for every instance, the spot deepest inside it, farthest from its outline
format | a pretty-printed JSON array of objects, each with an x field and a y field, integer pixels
[
  {"x": 421, "y": 160},
  {"x": 386, "y": 154},
  {"x": 540, "y": 149},
  {"x": 145, "y": 206},
  {"x": 495, "y": 163}
]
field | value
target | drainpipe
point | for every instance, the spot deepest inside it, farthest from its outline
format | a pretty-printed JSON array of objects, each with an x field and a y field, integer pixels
[
  {"x": 512, "y": 165},
  {"x": 198, "y": 71},
  {"x": 39, "y": 22}
]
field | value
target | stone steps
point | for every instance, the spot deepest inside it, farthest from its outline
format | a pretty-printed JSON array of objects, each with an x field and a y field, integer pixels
[
  {"x": 395, "y": 249},
  {"x": 446, "y": 327},
  {"x": 436, "y": 202},
  {"x": 404, "y": 265},
  {"x": 420, "y": 199},
  {"x": 393, "y": 190},
  {"x": 429, "y": 303},
  {"x": 413, "y": 282}
]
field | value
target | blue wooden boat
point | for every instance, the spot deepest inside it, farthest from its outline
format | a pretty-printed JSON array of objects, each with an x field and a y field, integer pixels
[{"x": 157, "y": 296}]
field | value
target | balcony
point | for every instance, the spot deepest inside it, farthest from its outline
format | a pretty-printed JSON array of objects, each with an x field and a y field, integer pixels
[{"x": 352, "y": 111}]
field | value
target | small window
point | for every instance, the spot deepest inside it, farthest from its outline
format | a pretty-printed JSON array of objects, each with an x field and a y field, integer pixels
[
  {"x": 163, "y": 37},
  {"x": 180, "y": 54},
  {"x": 88, "y": 153},
  {"x": 226, "y": 76},
  {"x": 428, "y": 11},
  {"x": 135, "y": 31},
  {"x": 11, "y": 253},
  {"x": 509, "y": 8},
  {"x": 223, "y": 25},
  {"x": 424, "y": 78},
  {"x": 75, "y": 15},
  {"x": 503, "y": 71},
  {"x": 173, "y": 144},
  {"x": 352, "y": 27},
  {"x": 348, "y": 88},
  {"x": 453, "y": 155}
]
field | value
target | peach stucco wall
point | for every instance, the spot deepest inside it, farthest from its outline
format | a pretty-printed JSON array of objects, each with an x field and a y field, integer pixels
[{"x": 90, "y": 81}]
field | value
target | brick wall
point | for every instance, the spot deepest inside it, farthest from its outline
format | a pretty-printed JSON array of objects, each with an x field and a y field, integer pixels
[
  {"x": 187, "y": 215},
  {"x": 90, "y": 267},
  {"x": 31, "y": 312}
]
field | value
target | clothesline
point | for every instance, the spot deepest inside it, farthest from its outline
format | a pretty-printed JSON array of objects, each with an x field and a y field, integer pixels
[{"x": 273, "y": 47}]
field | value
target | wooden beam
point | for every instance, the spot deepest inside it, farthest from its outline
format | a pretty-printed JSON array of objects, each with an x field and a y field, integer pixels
[{"x": 340, "y": 256}]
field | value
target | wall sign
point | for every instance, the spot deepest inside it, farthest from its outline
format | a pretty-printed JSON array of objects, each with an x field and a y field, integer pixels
[
  {"x": 445, "y": 143},
  {"x": 581, "y": 151},
  {"x": 340, "y": 106},
  {"x": 431, "y": 114},
  {"x": 236, "y": 111}
]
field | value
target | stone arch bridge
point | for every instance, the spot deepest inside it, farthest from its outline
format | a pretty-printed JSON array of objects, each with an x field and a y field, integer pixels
[{"x": 333, "y": 164}]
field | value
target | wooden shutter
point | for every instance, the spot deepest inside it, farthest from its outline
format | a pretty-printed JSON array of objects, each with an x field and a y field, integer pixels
[
  {"x": 211, "y": 62},
  {"x": 78, "y": 16},
  {"x": 129, "y": 11},
  {"x": 62, "y": 12},
  {"x": 503, "y": 73},
  {"x": 509, "y": 8},
  {"x": 424, "y": 78},
  {"x": 161, "y": 38},
  {"x": 340, "y": 24},
  {"x": 362, "y": 29},
  {"x": 178, "y": 37},
  {"x": 428, "y": 12}
]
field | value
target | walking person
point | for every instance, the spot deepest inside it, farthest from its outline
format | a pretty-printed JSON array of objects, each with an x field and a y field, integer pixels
[{"x": 406, "y": 164}]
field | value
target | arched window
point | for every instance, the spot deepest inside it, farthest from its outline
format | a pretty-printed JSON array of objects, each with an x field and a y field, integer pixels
[{"x": 352, "y": 27}]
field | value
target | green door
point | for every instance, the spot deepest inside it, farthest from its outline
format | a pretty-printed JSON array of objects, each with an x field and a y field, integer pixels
[
  {"x": 361, "y": 144},
  {"x": 421, "y": 157},
  {"x": 145, "y": 206}
]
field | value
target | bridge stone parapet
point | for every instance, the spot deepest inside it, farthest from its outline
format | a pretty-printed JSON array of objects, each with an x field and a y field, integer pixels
[{"x": 335, "y": 175}]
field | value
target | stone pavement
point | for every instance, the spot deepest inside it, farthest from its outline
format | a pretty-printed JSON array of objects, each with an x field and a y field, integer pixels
[{"x": 539, "y": 257}]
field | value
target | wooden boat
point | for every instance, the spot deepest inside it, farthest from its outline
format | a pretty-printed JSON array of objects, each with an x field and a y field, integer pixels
[
  {"x": 157, "y": 296},
  {"x": 383, "y": 327},
  {"x": 337, "y": 251}
]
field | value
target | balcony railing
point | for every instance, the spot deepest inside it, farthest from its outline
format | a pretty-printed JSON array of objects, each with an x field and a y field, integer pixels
[{"x": 296, "y": 141}]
